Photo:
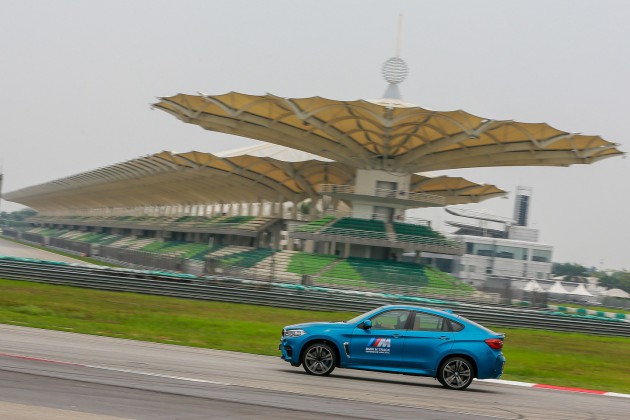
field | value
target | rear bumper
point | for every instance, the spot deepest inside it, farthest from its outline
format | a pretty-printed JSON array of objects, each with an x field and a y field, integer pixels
[{"x": 492, "y": 369}]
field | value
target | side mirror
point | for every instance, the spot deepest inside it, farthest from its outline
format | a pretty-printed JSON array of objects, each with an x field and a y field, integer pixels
[{"x": 367, "y": 324}]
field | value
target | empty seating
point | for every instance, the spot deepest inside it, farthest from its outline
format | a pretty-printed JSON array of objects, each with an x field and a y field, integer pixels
[
  {"x": 315, "y": 225},
  {"x": 249, "y": 258},
  {"x": 364, "y": 228},
  {"x": 414, "y": 230},
  {"x": 306, "y": 263}
]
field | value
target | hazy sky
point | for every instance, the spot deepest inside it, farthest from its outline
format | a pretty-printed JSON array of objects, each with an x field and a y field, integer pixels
[{"x": 77, "y": 79}]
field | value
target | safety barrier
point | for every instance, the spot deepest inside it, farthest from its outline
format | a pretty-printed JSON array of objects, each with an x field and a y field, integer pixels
[{"x": 228, "y": 289}]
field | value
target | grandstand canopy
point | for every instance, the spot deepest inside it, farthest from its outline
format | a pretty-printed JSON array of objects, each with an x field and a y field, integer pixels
[
  {"x": 169, "y": 178},
  {"x": 479, "y": 214},
  {"x": 387, "y": 135}
]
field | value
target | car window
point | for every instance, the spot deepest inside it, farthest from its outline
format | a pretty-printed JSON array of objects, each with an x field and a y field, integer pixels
[
  {"x": 390, "y": 320},
  {"x": 455, "y": 326},
  {"x": 428, "y": 322},
  {"x": 360, "y": 317},
  {"x": 477, "y": 325}
]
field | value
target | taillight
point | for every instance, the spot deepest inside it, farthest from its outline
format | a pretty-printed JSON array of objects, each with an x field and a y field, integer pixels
[{"x": 495, "y": 343}]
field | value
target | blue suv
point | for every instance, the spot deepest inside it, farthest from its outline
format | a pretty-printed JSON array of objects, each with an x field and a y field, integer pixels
[{"x": 398, "y": 339}]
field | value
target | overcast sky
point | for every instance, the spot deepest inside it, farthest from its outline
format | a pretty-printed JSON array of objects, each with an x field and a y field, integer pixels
[{"x": 77, "y": 79}]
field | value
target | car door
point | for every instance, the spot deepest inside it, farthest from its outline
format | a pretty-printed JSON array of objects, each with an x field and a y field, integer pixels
[
  {"x": 427, "y": 340},
  {"x": 381, "y": 346}
]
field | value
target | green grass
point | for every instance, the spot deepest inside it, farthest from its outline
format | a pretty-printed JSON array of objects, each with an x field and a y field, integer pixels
[
  {"x": 568, "y": 359},
  {"x": 576, "y": 360}
]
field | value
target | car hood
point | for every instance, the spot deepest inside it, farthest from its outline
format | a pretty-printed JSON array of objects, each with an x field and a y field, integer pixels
[{"x": 319, "y": 325}]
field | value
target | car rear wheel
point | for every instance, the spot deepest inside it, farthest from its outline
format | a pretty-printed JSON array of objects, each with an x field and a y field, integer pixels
[
  {"x": 456, "y": 373},
  {"x": 319, "y": 359}
]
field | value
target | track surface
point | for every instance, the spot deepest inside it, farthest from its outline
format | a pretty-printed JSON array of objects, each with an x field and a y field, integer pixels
[
  {"x": 128, "y": 379},
  {"x": 13, "y": 249},
  {"x": 105, "y": 378}
]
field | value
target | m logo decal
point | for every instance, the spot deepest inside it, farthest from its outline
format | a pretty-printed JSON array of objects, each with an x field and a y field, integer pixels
[{"x": 379, "y": 346}]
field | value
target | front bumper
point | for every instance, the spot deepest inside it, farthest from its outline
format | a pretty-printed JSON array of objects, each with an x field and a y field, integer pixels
[{"x": 287, "y": 352}]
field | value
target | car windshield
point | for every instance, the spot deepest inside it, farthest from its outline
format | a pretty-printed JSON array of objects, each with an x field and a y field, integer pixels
[{"x": 360, "y": 317}]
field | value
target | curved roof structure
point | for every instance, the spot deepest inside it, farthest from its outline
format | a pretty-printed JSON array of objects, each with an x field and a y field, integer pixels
[
  {"x": 480, "y": 214},
  {"x": 169, "y": 178},
  {"x": 387, "y": 135}
]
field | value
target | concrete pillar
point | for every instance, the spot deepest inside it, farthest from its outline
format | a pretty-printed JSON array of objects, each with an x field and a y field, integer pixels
[
  {"x": 294, "y": 210},
  {"x": 309, "y": 246},
  {"x": 346, "y": 250},
  {"x": 312, "y": 211}
]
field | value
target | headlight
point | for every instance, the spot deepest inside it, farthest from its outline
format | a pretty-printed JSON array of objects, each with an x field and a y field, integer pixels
[{"x": 294, "y": 333}]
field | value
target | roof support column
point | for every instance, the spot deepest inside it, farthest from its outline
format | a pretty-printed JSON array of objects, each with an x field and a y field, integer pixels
[
  {"x": 331, "y": 247},
  {"x": 294, "y": 210},
  {"x": 312, "y": 208}
]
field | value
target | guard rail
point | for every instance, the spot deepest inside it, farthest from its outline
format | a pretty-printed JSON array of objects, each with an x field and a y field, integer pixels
[{"x": 289, "y": 295}]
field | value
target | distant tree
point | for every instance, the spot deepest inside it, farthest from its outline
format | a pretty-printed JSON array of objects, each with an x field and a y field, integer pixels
[
  {"x": 615, "y": 280},
  {"x": 17, "y": 216},
  {"x": 21, "y": 214},
  {"x": 305, "y": 207},
  {"x": 569, "y": 269}
]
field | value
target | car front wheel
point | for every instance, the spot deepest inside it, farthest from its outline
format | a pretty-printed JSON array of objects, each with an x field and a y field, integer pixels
[
  {"x": 319, "y": 359},
  {"x": 456, "y": 373}
]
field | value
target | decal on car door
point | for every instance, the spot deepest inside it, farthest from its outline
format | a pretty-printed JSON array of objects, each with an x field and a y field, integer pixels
[{"x": 379, "y": 346}]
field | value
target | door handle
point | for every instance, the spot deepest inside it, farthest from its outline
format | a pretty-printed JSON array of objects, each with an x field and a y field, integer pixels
[
  {"x": 396, "y": 335},
  {"x": 443, "y": 337}
]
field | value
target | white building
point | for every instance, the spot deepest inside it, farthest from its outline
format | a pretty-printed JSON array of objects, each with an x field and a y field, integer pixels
[
  {"x": 497, "y": 247},
  {"x": 485, "y": 256}
]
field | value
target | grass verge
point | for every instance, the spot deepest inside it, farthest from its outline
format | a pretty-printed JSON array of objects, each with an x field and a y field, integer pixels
[{"x": 564, "y": 359}]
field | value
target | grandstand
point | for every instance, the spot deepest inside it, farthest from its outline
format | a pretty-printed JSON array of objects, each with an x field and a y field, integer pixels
[{"x": 323, "y": 201}]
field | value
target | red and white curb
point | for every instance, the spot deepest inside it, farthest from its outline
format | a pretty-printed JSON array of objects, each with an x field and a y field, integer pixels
[
  {"x": 139, "y": 372},
  {"x": 556, "y": 388}
]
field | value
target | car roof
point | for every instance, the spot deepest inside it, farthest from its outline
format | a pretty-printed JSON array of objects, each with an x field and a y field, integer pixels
[{"x": 421, "y": 308}]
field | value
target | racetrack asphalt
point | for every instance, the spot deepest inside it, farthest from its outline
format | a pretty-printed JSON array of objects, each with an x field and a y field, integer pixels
[
  {"x": 128, "y": 379},
  {"x": 57, "y": 375}
]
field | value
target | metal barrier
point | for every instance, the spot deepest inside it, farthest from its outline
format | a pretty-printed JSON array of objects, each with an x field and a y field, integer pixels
[
  {"x": 139, "y": 258},
  {"x": 11, "y": 233},
  {"x": 80, "y": 248},
  {"x": 223, "y": 288}
]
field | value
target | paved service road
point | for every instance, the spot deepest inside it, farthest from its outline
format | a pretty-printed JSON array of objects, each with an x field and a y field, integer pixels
[
  {"x": 13, "y": 249},
  {"x": 127, "y": 379}
]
